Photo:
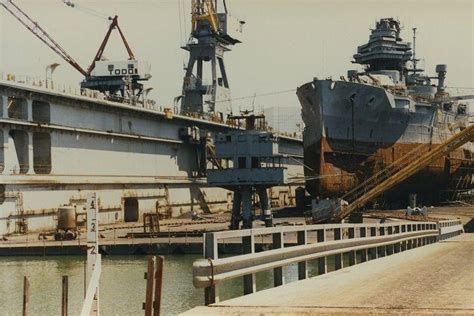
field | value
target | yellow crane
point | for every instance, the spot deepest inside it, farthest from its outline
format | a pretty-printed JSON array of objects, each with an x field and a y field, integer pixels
[
  {"x": 204, "y": 10},
  {"x": 397, "y": 172}
]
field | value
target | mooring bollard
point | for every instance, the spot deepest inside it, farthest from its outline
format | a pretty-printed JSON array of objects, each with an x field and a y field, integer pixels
[{"x": 26, "y": 294}]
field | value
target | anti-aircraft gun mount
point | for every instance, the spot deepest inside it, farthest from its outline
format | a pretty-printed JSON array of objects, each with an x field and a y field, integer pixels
[{"x": 249, "y": 163}]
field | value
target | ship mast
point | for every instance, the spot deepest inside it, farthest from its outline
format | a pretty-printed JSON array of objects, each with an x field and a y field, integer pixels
[{"x": 414, "y": 49}]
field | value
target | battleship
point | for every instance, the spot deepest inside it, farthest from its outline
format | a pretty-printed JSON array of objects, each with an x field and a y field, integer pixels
[
  {"x": 357, "y": 126},
  {"x": 56, "y": 146}
]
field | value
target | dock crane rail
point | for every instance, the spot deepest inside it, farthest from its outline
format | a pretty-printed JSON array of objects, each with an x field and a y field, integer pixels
[{"x": 407, "y": 165}]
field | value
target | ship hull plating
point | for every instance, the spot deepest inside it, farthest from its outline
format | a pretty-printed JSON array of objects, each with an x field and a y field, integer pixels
[{"x": 353, "y": 130}]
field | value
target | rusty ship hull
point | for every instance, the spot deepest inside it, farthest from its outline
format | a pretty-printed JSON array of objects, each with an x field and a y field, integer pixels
[{"x": 353, "y": 130}]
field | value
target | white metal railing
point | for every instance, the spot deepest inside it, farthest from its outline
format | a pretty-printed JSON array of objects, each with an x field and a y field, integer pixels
[
  {"x": 449, "y": 228},
  {"x": 313, "y": 242}
]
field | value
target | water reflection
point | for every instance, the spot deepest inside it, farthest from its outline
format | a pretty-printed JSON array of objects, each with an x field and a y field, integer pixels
[{"x": 122, "y": 290}]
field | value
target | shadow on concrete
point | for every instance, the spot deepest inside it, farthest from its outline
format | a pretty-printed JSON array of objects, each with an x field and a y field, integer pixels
[{"x": 469, "y": 226}]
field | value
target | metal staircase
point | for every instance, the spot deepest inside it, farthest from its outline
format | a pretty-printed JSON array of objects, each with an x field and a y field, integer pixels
[{"x": 398, "y": 171}]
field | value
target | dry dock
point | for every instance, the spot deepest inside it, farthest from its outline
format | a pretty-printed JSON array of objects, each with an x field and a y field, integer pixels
[{"x": 435, "y": 279}]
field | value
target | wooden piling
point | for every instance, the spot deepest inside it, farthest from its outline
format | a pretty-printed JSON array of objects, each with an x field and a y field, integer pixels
[
  {"x": 65, "y": 296},
  {"x": 26, "y": 294},
  {"x": 150, "y": 285},
  {"x": 158, "y": 286}
]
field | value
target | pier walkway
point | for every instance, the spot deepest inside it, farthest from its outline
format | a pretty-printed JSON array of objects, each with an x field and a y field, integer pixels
[{"x": 433, "y": 279}]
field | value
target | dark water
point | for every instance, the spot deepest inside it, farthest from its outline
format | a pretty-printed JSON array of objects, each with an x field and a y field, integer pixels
[{"x": 122, "y": 286}]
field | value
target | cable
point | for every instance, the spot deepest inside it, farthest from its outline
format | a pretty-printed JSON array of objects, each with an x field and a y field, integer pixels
[
  {"x": 86, "y": 10},
  {"x": 93, "y": 12},
  {"x": 184, "y": 21},
  {"x": 180, "y": 21},
  {"x": 258, "y": 95}
]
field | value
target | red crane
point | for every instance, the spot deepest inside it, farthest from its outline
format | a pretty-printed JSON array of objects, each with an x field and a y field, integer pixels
[
  {"x": 39, "y": 32},
  {"x": 98, "y": 56}
]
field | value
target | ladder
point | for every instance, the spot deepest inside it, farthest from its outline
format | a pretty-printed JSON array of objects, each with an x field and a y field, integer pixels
[
  {"x": 398, "y": 171},
  {"x": 211, "y": 151}
]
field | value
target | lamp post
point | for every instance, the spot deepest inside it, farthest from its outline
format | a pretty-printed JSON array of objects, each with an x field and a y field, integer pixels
[{"x": 51, "y": 68}]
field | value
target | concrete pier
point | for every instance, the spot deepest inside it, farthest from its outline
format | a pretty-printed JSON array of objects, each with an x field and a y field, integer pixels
[{"x": 434, "y": 279}]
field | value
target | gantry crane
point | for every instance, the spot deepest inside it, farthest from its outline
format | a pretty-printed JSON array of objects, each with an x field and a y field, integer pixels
[
  {"x": 406, "y": 166},
  {"x": 212, "y": 34},
  {"x": 114, "y": 77},
  {"x": 204, "y": 10},
  {"x": 104, "y": 76}
]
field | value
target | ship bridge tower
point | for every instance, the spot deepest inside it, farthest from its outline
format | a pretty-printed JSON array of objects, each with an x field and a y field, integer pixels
[
  {"x": 205, "y": 85},
  {"x": 385, "y": 51}
]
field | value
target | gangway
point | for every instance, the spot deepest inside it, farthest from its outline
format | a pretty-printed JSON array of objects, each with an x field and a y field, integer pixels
[{"x": 398, "y": 171}]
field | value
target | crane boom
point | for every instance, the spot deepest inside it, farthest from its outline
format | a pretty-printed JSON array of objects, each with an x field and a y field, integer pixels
[
  {"x": 39, "y": 32},
  {"x": 97, "y": 57},
  {"x": 204, "y": 10}
]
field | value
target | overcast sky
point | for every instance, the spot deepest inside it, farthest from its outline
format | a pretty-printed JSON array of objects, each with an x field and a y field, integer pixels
[{"x": 286, "y": 42}]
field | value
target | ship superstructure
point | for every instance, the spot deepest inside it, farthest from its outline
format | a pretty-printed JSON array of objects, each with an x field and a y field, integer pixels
[{"x": 358, "y": 125}]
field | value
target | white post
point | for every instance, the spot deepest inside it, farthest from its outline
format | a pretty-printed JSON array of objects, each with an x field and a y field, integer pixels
[
  {"x": 93, "y": 256},
  {"x": 29, "y": 110},
  {"x": 30, "y": 153}
]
